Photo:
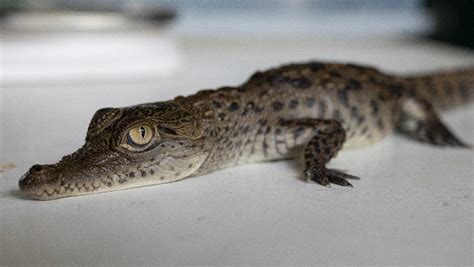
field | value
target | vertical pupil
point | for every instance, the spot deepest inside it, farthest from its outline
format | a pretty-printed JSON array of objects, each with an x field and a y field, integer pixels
[{"x": 142, "y": 131}]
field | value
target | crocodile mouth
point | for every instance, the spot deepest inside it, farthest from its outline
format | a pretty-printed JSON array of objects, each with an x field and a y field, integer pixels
[
  {"x": 48, "y": 192},
  {"x": 31, "y": 189},
  {"x": 43, "y": 188},
  {"x": 48, "y": 182}
]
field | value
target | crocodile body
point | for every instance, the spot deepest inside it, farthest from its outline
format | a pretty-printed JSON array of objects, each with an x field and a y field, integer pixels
[{"x": 308, "y": 111}]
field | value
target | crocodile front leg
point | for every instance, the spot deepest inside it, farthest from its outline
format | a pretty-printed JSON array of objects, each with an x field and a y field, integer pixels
[{"x": 327, "y": 138}]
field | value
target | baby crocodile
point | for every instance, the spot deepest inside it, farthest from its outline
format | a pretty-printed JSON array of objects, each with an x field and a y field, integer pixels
[{"x": 308, "y": 110}]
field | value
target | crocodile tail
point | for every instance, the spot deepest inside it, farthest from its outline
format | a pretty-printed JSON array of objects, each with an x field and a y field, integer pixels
[{"x": 447, "y": 89}]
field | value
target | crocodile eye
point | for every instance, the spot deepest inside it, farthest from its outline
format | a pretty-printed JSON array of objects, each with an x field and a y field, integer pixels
[{"x": 140, "y": 135}]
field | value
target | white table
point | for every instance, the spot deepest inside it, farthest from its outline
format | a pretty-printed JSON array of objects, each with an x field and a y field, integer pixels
[{"x": 412, "y": 206}]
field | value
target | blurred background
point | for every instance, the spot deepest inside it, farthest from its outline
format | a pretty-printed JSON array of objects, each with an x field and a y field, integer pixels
[{"x": 65, "y": 41}]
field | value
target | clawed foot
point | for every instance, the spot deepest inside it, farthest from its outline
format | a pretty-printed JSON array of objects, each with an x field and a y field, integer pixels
[
  {"x": 432, "y": 132},
  {"x": 326, "y": 177},
  {"x": 437, "y": 134}
]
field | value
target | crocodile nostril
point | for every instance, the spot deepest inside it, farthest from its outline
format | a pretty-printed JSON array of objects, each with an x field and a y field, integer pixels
[{"x": 36, "y": 168}]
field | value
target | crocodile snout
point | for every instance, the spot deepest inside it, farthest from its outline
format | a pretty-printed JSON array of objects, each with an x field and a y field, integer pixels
[{"x": 36, "y": 177}]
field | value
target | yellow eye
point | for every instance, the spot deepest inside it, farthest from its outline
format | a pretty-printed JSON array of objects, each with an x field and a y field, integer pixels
[{"x": 140, "y": 135}]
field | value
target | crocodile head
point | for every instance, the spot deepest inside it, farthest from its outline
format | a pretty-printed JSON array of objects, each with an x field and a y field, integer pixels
[{"x": 125, "y": 148}]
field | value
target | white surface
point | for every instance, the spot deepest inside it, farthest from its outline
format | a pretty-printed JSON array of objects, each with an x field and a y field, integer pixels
[
  {"x": 58, "y": 57},
  {"x": 412, "y": 206}
]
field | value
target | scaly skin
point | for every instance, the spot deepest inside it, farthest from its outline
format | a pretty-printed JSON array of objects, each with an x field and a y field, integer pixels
[{"x": 310, "y": 110}]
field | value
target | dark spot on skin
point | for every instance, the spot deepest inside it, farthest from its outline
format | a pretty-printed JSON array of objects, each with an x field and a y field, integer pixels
[
  {"x": 342, "y": 95},
  {"x": 256, "y": 75},
  {"x": 353, "y": 85},
  {"x": 162, "y": 177},
  {"x": 335, "y": 74},
  {"x": 327, "y": 151},
  {"x": 293, "y": 104},
  {"x": 374, "y": 106},
  {"x": 396, "y": 88},
  {"x": 315, "y": 66},
  {"x": 216, "y": 104},
  {"x": 364, "y": 130},
  {"x": 109, "y": 184},
  {"x": 354, "y": 112},
  {"x": 241, "y": 89},
  {"x": 336, "y": 114},
  {"x": 121, "y": 181},
  {"x": 277, "y": 105},
  {"x": 259, "y": 109},
  {"x": 298, "y": 132},
  {"x": 317, "y": 146},
  {"x": 143, "y": 173},
  {"x": 262, "y": 122},
  {"x": 235, "y": 134},
  {"x": 230, "y": 89},
  {"x": 233, "y": 106},
  {"x": 131, "y": 174},
  {"x": 269, "y": 129},
  {"x": 278, "y": 131},
  {"x": 152, "y": 172},
  {"x": 277, "y": 79},
  {"x": 360, "y": 120},
  {"x": 310, "y": 101},
  {"x": 301, "y": 83},
  {"x": 372, "y": 79},
  {"x": 245, "y": 129},
  {"x": 265, "y": 148},
  {"x": 263, "y": 93},
  {"x": 221, "y": 116},
  {"x": 360, "y": 68},
  {"x": 162, "y": 145},
  {"x": 382, "y": 97}
]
